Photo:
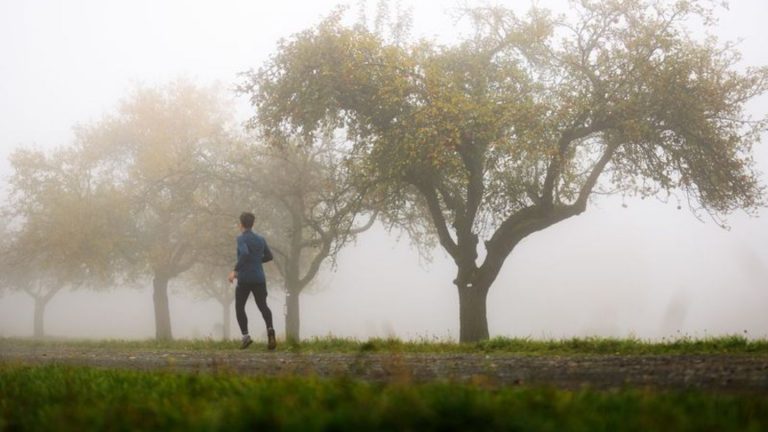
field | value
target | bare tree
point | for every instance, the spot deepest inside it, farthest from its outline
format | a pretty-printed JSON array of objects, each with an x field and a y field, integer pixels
[{"x": 306, "y": 205}]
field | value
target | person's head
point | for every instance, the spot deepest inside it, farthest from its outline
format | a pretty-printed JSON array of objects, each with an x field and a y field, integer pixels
[{"x": 246, "y": 220}]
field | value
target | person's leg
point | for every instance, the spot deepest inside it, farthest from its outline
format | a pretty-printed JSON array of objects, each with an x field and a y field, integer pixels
[
  {"x": 260, "y": 295},
  {"x": 241, "y": 296}
]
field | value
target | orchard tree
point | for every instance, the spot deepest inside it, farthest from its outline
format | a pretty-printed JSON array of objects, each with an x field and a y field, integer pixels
[
  {"x": 63, "y": 213},
  {"x": 154, "y": 143},
  {"x": 513, "y": 129}
]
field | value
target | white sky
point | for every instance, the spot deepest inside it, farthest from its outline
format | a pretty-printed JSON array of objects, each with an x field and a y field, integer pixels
[{"x": 647, "y": 270}]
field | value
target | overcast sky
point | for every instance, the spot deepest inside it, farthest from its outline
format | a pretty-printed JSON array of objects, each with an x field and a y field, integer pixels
[{"x": 648, "y": 270}]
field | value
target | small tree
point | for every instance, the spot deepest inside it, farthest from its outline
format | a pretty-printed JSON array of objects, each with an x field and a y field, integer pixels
[
  {"x": 65, "y": 215},
  {"x": 25, "y": 274},
  {"x": 304, "y": 203},
  {"x": 511, "y": 131}
]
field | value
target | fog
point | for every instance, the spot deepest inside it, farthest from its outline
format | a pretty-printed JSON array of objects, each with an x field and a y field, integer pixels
[{"x": 623, "y": 268}]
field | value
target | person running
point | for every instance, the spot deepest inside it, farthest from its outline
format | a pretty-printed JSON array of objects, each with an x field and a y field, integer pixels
[{"x": 252, "y": 251}]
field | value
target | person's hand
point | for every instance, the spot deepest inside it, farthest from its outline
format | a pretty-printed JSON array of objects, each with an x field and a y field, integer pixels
[{"x": 232, "y": 276}]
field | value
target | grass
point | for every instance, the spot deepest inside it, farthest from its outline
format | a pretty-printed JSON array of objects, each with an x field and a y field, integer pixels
[
  {"x": 66, "y": 398},
  {"x": 735, "y": 344}
]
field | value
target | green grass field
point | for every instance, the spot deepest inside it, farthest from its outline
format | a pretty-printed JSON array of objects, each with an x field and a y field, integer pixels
[
  {"x": 48, "y": 398},
  {"x": 631, "y": 346}
]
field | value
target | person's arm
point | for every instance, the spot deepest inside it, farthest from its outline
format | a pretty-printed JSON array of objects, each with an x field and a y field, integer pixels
[{"x": 267, "y": 253}]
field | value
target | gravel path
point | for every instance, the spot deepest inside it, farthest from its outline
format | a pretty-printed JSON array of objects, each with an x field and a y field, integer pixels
[{"x": 737, "y": 373}]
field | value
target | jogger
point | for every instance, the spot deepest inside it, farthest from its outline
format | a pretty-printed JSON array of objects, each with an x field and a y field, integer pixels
[{"x": 252, "y": 251}]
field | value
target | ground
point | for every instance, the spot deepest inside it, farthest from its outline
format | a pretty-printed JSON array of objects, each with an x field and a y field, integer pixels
[{"x": 719, "y": 372}]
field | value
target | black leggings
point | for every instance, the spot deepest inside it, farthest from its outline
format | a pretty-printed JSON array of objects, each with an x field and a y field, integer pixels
[{"x": 259, "y": 291}]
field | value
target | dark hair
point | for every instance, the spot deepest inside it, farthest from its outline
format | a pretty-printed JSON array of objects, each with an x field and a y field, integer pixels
[{"x": 247, "y": 219}]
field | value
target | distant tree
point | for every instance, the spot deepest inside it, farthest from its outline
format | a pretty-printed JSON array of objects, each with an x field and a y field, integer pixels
[
  {"x": 5, "y": 253},
  {"x": 207, "y": 279},
  {"x": 513, "y": 130},
  {"x": 154, "y": 142},
  {"x": 63, "y": 212}
]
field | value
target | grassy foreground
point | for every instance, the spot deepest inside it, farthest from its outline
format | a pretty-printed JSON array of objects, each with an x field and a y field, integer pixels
[
  {"x": 80, "y": 399},
  {"x": 630, "y": 346}
]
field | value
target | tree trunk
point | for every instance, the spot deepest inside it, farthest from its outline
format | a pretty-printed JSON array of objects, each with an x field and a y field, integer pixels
[
  {"x": 292, "y": 319},
  {"x": 226, "y": 317},
  {"x": 162, "y": 310},
  {"x": 473, "y": 321},
  {"x": 40, "y": 304}
]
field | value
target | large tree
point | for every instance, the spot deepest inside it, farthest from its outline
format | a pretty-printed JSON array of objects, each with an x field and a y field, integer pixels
[
  {"x": 155, "y": 143},
  {"x": 513, "y": 130}
]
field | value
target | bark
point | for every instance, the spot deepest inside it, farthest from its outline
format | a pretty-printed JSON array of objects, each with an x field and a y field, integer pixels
[
  {"x": 162, "y": 310},
  {"x": 41, "y": 301},
  {"x": 226, "y": 318},
  {"x": 292, "y": 317},
  {"x": 40, "y": 304},
  {"x": 473, "y": 321},
  {"x": 293, "y": 282}
]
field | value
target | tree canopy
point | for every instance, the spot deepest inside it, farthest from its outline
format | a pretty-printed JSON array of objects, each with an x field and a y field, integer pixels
[{"x": 61, "y": 217}]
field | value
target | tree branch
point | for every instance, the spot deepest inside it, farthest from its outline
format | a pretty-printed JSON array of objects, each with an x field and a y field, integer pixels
[
  {"x": 315, "y": 265},
  {"x": 568, "y": 136},
  {"x": 475, "y": 188},
  {"x": 49, "y": 295},
  {"x": 438, "y": 219},
  {"x": 450, "y": 201},
  {"x": 366, "y": 226},
  {"x": 589, "y": 184}
]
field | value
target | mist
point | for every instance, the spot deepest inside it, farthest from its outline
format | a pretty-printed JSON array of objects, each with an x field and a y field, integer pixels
[{"x": 626, "y": 267}]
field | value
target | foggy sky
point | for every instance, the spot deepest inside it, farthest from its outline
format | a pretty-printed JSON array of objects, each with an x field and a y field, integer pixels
[{"x": 648, "y": 270}]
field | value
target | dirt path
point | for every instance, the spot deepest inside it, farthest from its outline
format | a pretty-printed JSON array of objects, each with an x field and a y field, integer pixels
[{"x": 712, "y": 372}]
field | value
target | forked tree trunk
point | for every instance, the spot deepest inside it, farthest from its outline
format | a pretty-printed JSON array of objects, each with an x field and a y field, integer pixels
[
  {"x": 162, "y": 309},
  {"x": 473, "y": 320},
  {"x": 40, "y": 304},
  {"x": 292, "y": 317}
]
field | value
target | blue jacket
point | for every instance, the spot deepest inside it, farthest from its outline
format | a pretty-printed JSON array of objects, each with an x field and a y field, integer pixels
[{"x": 252, "y": 250}]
